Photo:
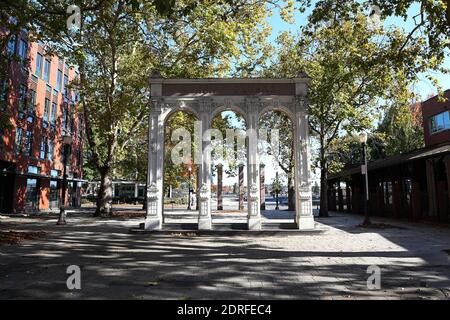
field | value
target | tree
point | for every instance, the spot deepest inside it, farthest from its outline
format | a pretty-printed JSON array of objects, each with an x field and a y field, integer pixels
[
  {"x": 431, "y": 27},
  {"x": 121, "y": 42},
  {"x": 402, "y": 129},
  {"x": 284, "y": 156},
  {"x": 352, "y": 66}
]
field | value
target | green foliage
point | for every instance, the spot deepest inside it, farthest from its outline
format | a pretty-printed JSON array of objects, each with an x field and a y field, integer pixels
[
  {"x": 353, "y": 66},
  {"x": 232, "y": 155},
  {"x": 400, "y": 129},
  {"x": 278, "y": 120}
]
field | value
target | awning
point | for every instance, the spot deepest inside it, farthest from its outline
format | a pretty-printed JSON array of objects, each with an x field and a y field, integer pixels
[{"x": 418, "y": 154}]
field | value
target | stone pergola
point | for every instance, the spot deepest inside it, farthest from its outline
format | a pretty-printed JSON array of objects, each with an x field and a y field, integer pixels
[{"x": 207, "y": 98}]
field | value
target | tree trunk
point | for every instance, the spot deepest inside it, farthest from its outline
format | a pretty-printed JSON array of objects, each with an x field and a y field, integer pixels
[
  {"x": 144, "y": 205},
  {"x": 291, "y": 195},
  {"x": 104, "y": 196},
  {"x": 323, "y": 191}
]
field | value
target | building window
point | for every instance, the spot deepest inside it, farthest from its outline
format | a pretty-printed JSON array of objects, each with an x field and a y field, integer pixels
[
  {"x": 19, "y": 140},
  {"x": 23, "y": 49},
  {"x": 32, "y": 199},
  {"x": 66, "y": 82},
  {"x": 65, "y": 120},
  {"x": 32, "y": 104},
  {"x": 387, "y": 188},
  {"x": 46, "y": 111},
  {"x": 440, "y": 122},
  {"x": 43, "y": 149},
  {"x": 38, "y": 71},
  {"x": 3, "y": 93},
  {"x": 12, "y": 45},
  {"x": 50, "y": 150},
  {"x": 47, "y": 70},
  {"x": 22, "y": 98},
  {"x": 29, "y": 143},
  {"x": 407, "y": 189},
  {"x": 59, "y": 80},
  {"x": 34, "y": 169},
  {"x": 54, "y": 194},
  {"x": 53, "y": 116}
]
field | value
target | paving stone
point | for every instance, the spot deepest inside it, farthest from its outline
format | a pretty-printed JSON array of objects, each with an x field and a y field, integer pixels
[{"x": 333, "y": 265}]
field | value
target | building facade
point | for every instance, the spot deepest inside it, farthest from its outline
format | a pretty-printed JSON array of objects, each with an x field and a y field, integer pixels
[
  {"x": 36, "y": 99},
  {"x": 412, "y": 186}
]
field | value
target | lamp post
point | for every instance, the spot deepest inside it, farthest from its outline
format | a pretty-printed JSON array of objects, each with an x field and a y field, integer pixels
[
  {"x": 365, "y": 172},
  {"x": 189, "y": 192},
  {"x": 67, "y": 142},
  {"x": 277, "y": 192}
]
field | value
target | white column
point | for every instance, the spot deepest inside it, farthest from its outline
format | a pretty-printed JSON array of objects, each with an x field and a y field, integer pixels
[
  {"x": 204, "y": 192},
  {"x": 153, "y": 220},
  {"x": 303, "y": 195},
  {"x": 253, "y": 179}
]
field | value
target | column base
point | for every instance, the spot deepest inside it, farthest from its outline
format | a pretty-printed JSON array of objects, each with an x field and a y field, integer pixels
[
  {"x": 153, "y": 223},
  {"x": 306, "y": 223},
  {"x": 254, "y": 223},
  {"x": 204, "y": 223}
]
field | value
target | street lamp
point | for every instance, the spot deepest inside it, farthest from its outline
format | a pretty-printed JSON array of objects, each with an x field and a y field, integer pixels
[
  {"x": 365, "y": 172},
  {"x": 277, "y": 191},
  {"x": 189, "y": 192},
  {"x": 67, "y": 142}
]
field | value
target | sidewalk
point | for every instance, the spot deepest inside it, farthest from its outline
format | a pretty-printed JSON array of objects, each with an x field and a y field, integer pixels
[{"x": 333, "y": 265}]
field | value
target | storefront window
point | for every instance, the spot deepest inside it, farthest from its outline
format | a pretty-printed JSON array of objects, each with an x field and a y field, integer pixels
[
  {"x": 32, "y": 194},
  {"x": 388, "y": 197},
  {"x": 407, "y": 188},
  {"x": 54, "y": 194}
]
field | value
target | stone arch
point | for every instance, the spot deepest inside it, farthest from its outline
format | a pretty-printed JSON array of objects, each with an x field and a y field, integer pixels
[
  {"x": 290, "y": 180},
  {"x": 166, "y": 117},
  {"x": 183, "y": 107},
  {"x": 206, "y": 98},
  {"x": 280, "y": 108},
  {"x": 233, "y": 107}
]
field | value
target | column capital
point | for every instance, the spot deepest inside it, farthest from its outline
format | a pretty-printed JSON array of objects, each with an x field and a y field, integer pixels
[
  {"x": 253, "y": 104},
  {"x": 301, "y": 104},
  {"x": 205, "y": 105}
]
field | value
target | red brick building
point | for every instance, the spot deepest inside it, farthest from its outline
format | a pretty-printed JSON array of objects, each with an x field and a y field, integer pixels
[
  {"x": 34, "y": 95},
  {"x": 412, "y": 186}
]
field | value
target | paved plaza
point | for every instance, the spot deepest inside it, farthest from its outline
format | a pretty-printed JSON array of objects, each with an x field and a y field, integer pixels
[{"x": 413, "y": 258}]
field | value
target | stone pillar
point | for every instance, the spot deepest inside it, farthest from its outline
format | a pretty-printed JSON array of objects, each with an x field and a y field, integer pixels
[
  {"x": 253, "y": 182},
  {"x": 197, "y": 187},
  {"x": 204, "y": 217},
  {"x": 303, "y": 201},
  {"x": 416, "y": 206},
  {"x": 348, "y": 196},
  {"x": 241, "y": 187},
  {"x": 431, "y": 188},
  {"x": 262, "y": 187},
  {"x": 219, "y": 187},
  {"x": 154, "y": 199},
  {"x": 340, "y": 197},
  {"x": 397, "y": 197},
  {"x": 447, "y": 171}
]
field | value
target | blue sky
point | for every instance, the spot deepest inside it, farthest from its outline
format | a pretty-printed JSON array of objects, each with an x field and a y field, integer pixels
[{"x": 424, "y": 87}]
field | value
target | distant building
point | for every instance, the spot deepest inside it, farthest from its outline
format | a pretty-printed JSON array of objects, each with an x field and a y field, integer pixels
[
  {"x": 411, "y": 186},
  {"x": 124, "y": 191},
  {"x": 34, "y": 95}
]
